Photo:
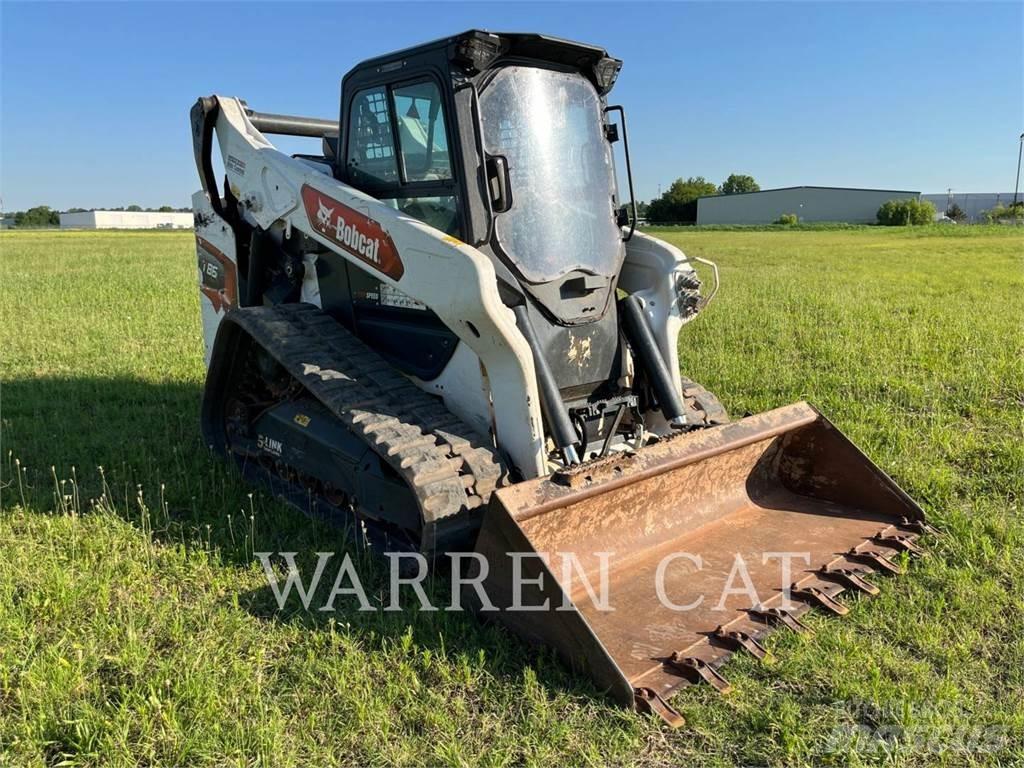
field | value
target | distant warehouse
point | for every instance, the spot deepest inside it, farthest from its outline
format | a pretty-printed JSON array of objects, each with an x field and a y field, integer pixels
[
  {"x": 845, "y": 204},
  {"x": 972, "y": 205},
  {"x": 125, "y": 220}
]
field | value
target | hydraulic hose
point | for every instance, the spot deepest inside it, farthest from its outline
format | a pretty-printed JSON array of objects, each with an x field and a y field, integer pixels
[
  {"x": 641, "y": 339},
  {"x": 551, "y": 403}
]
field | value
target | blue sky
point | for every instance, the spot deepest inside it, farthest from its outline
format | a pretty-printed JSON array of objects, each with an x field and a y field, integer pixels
[{"x": 908, "y": 95}]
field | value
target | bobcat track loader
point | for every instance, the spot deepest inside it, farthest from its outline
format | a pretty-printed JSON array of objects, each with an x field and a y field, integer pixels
[{"x": 446, "y": 330}]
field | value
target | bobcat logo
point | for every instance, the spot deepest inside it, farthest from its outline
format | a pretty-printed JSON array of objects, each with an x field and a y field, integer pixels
[
  {"x": 351, "y": 233},
  {"x": 323, "y": 215}
]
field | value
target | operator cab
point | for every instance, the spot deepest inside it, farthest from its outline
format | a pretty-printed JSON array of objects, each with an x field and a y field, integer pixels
[
  {"x": 474, "y": 124},
  {"x": 504, "y": 141}
]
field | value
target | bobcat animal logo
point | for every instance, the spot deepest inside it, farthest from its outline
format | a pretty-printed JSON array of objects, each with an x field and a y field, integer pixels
[{"x": 323, "y": 215}]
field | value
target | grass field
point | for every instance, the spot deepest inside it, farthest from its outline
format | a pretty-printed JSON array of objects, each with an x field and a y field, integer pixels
[{"x": 138, "y": 630}]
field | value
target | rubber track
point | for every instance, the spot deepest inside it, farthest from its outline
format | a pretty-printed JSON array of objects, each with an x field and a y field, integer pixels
[
  {"x": 703, "y": 404},
  {"x": 443, "y": 462}
]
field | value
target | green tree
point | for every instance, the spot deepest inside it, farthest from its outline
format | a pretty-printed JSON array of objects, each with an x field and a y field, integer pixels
[
  {"x": 134, "y": 208},
  {"x": 895, "y": 213},
  {"x": 922, "y": 212},
  {"x": 40, "y": 216},
  {"x": 165, "y": 209},
  {"x": 739, "y": 182},
  {"x": 675, "y": 204},
  {"x": 955, "y": 212},
  {"x": 1004, "y": 212}
]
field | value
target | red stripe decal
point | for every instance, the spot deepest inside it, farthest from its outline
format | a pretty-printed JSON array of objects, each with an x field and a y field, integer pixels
[{"x": 353, "y": 231}]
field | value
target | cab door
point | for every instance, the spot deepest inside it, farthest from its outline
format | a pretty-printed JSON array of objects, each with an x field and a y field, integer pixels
[{"x": 397, "y": 150}]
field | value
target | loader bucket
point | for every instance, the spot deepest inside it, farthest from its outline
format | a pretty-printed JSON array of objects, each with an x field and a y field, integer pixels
[{"x": 688, "y": 534}]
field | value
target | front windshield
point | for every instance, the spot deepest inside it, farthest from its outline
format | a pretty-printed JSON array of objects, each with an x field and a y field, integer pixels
[{"x": 549, "y": 126}]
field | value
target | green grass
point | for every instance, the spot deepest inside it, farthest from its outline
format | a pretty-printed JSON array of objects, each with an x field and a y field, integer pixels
[{"x": 139, "y": 629}]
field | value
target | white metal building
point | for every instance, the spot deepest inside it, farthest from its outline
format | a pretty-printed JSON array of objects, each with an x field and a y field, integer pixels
[
  {"x": 845, "y": 204},
  {"x": 125, "y": 220},
  {"x": 973, "y": 204}
]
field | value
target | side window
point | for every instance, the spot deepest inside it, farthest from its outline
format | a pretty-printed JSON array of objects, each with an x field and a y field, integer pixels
[
  {"x": 421, "y": 132},
  {"x": 439, "y": 212},
  {"x": 371, "y": 147}
]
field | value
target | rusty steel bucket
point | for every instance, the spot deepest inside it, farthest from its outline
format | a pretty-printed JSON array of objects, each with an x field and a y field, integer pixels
[{"x": 689, "y": 536}]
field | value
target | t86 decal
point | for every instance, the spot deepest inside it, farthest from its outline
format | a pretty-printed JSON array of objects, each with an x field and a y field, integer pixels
[
  {"x": 218, "y": 276},
  {"x": 356, "y": 232}
]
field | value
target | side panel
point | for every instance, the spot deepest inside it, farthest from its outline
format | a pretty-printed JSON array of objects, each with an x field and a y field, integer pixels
[
  {"x": 217, "y": 268},
  {"x": 465, "y": 390},
  {"x": 652, "y": 271}
]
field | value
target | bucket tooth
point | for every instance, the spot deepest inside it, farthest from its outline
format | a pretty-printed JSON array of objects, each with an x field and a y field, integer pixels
[
  {"x": 919, "y": 527},
  {"x": 849, "y": 578},
  {"x": 875, "y": 559},
  {"x": 897, "y": 542},
  {"x": 646, "y": 700},
  {"x": 820, "y": 598},
  {"x": 697, "y": 670},
  {"x": 779, "y": 616},
  {"x": 737, "y": 639}
]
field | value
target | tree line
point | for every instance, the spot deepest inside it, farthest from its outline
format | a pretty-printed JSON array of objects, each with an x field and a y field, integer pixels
[
  {"x": 45, "y": 216},
  {"x": 679, "y": 202}
]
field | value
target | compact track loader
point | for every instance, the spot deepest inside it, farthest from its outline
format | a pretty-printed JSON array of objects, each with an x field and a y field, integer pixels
[{"x": 446, "y": 331}]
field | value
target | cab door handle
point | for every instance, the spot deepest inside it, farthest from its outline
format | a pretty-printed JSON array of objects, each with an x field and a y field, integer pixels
[{"x": 498, "y": 183}]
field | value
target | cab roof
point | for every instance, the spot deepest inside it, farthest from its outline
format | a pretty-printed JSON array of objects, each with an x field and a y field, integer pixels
[{"x": 475, "y": 50}]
